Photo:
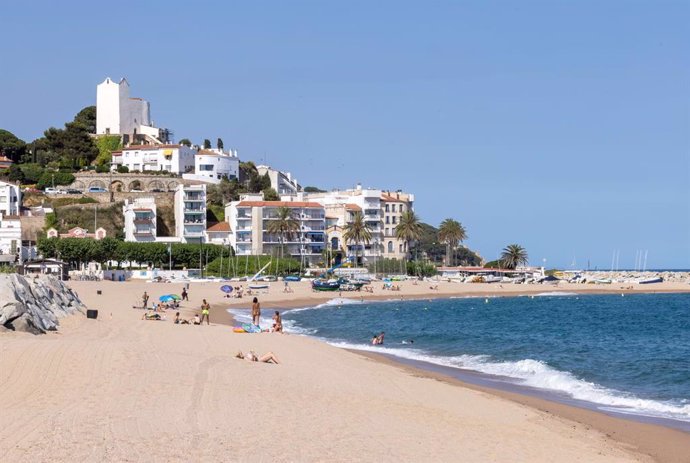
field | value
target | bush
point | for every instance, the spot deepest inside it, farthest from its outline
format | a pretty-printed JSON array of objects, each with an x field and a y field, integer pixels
[
  {"x": 54, "y": 178},
  {"x": 103, "y": 169},
  {"x": 122, "y": 169}
]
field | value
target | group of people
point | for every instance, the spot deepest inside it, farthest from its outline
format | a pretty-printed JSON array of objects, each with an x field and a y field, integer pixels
[
  {"x": 238, "y": 292},
  {"x": 377, "y": 340},
  {"x": 391, "y": 287},
  {"x": 256, "y": 317}
]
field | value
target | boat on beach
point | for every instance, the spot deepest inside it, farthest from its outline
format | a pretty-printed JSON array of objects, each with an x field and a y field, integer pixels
[{"x": 325, "y": 285}]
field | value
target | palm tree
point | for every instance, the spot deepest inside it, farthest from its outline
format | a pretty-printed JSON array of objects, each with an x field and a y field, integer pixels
[
  {"x": 357, "y": 231},
  {"x": 451, "y": 232},
  {"x": 284, "y": 225},
  {"x": 409, "y": 228},
  {"x": 513, "y": 255}
]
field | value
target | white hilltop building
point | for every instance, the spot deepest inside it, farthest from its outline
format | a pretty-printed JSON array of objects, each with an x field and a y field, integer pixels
[
  {"x": 119, "y": 114},
  {"x": 211, "y": 165},
  {"x": 283, "y": 182}
]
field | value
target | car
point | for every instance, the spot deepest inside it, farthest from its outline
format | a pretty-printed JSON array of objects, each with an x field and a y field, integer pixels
[
  {"x": 136, "y": 190},
  {"x": 51, "y": 191},
  {"x": 72, "y": 191},
  {"x": 156, "y": 190},
  {"x": 95, "y": 189}
]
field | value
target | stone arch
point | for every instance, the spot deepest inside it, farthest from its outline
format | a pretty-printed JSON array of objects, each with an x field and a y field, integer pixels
[
  {"x": 134, "y": 185},
  {"x": 117, "y": 185},
  {"x": 172, "y": 185},
  {"x": 97, "y": 184},
  {"x": 155, "y": 185}
]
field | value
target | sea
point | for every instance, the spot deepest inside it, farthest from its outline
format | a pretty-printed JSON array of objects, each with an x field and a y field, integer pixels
[{"x": 623, "y": 355}]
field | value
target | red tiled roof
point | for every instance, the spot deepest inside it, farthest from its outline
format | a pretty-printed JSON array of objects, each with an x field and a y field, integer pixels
[
  {"x": 219, "y": 227},
  {"x": 353, "y": 207},
  {"x": 391, "y": 199},
  {"x": 278, "y": 204}
]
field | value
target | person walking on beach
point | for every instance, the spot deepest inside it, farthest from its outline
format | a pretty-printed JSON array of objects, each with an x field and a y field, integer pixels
[
  {"x": 145, "y": 300},
  {"x": 185, "y": 296},
  {"x": 256, "y": 312},
  {"x": 205, "y": 307}
]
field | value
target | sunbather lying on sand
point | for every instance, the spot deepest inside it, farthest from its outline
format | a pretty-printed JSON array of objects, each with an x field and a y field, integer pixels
[
  {"x": 150, "y": 315},
  {"x": 268, "y": 357}
]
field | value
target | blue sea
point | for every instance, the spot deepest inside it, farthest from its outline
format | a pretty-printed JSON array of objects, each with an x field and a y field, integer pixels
[{"x": 628, "y": 355}]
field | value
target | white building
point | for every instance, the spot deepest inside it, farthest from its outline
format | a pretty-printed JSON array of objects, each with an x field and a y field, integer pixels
[
  {"x": 219, "y": 234},
  {"x": 10, "y": 198},
  {"x": 10, "y": 234},
  {"x": 393, "y": 206},
  {"x": 176, "y": 159},
  {"x": 190, "y": 213},
  {"x": 140, "y": 220},
  {"x": 213, "y": 164},
  {"x": 119, "y": 114},
  {"x": 282, "y": 182},
  {"x": 249, "y": 219}
]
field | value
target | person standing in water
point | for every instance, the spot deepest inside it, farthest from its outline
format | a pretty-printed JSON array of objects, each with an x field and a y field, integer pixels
[{"x": 256, "y": 312}]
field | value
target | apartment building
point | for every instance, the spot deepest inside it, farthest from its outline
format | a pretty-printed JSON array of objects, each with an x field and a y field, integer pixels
[
  {"x": 212, "y": 165},
  {"x": 393, "y": 205},
  {"x": 190, "y": 213},
  {"x": 282, "y": 182},
  {"x": 176, "y": 159},
  {"x": 10, "y": 198},
  {"x": 140, "y": 220},
  {"x": 10, "y": 234},
  {"x": 250, "y": 217}
]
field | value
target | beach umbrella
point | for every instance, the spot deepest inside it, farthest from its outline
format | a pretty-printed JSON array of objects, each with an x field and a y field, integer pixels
[
  {"x": 175, "y": 297},
  {"x": 226, "y": 289},
  {"x": 166, "y": 298}
]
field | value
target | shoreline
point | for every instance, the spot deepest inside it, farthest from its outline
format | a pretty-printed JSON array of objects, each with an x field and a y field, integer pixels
[
  {"x": 661, "y": 443},
  {"x": 664, "y": 443}
]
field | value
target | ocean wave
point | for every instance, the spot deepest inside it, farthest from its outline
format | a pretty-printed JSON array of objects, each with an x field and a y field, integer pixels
[
  {"x": 537, "y": 374},
  {"x": 555, "y": 293}
]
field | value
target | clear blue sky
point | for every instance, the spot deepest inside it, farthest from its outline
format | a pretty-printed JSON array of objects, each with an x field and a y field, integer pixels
[{"x": 562, "y": 126}]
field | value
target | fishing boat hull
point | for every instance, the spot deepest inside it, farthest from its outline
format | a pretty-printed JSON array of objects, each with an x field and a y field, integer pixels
[{"x": 325, "y": 286}]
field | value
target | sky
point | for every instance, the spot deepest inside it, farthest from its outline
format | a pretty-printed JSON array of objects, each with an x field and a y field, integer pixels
[{"x": 561, "y": 126}]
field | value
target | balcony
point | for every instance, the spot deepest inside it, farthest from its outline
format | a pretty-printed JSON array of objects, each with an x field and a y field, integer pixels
[
  {"x": 194, "y": 208},
  {"x": 195, "y": 197},
  {"x": 143, "y": 220}
]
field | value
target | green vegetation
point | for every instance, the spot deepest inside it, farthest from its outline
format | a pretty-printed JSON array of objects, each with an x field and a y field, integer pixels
[
  {"x": 398, "y": 267},
  {"x": 313, "y": 189},
  {"x": 451, "y": 232},
  {"x": 409, "y": 228},
  {"x": 513, "y": 256},
  {"x": 219, "y": 143},
  {"x": 80, "y": 250},
  {"x": 11, "y": 146},
  {"x": 107, "y": 216},
  {"x": 61, "y": 202},
  {"x": 357, "y": 232},
  {"x": 249, "y": 265},
  {"x": 429, "y": 245},
  {"x": 51, "y": 179},
  {"x": 284, "y": 225},
  {"x": 270, "y": 194},
  {"x": 106, "y": 145},
  {"x": 186, "y": 142},
  {"x": 207, "y": 144}
]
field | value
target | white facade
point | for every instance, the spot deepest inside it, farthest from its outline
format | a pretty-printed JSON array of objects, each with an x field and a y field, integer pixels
[
  {"x": 140, "y": 220},
  {"x": 212, "y": 165},
  {"x": 282, "y": 182},
  {"x": 119, "y": 114},
  {"x": 10, "y": 198},
  {"x": 249, "y": 219},
  {"x": 10, "y": 234},
  {"x": 176, "y": 159},
  {"x": 190, "y": 213}
]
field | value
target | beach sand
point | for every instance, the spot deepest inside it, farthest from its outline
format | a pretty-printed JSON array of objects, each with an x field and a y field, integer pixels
[{"x": 122, "y": 389}]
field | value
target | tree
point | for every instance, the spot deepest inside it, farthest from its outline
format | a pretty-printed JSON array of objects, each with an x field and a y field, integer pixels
[
  {"x": 207, "y": 144},
  {"x": 513, "y": 256},
  {"x": 11, "y": 146},
  {"x": 284, "y": 225},
  {"x": 86, "y": 119},
  {"x": 219, "y": 144},
  {"x": 409, "y": 228},
  {"x": 106, "y": 145},
  {"x": 313, "y": 189},
  {"x": 270, "y": 194},
  {"x": 186, "y": 142},
  {"x": 451, "y": 232},
  {"x": 15, "y": 174},
  {"x": 357, "y": 232}
]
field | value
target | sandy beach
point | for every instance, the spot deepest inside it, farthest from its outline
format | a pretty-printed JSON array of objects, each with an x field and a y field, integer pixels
[{"x": 122, "y": 389}]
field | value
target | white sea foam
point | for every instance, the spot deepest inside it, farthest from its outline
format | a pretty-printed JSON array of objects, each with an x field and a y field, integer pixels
[
  {"x": 534, "y": 373},
  {"x": 555, "y": 293}
]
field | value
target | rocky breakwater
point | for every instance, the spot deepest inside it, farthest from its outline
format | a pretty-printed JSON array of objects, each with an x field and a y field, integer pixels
[{"x": 34, "y": 305}]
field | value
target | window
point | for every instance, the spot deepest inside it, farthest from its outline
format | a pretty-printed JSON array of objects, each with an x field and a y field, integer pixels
[
  {"x": 402, "y": 208},
  {"x": 390, "y": 247},
  {"x": 388, "y": 220},
  {"x": 395, "y": 219},
  {"x": 401, "y": 248},
  {"x": 387, "y": 208},
  {"x": 393, "y": 207}
]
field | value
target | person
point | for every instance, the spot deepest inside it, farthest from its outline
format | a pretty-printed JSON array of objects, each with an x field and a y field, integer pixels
[
  {"x": 197, "y": 320},
  {"x": 185, "y": 296},
  {"x": 150, "y": 315},
  {"x": 268, "y": 357},
  {"x": 256, "y": 312},
  {"x": 378, "y": 340},
  {"x": 205, "y": 307},
  {"x": 145, "y": 300},
  {"x": 286, "y": 289},
  {"x": 177, "y": 318},
  {"x": 277, "y": 323}
]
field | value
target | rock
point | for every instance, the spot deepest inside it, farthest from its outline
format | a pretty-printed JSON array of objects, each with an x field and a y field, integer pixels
[{"x": 34, "y": 305}]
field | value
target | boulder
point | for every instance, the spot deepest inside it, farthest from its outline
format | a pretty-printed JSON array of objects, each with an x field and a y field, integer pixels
[{"x": 34, "y": 305}]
